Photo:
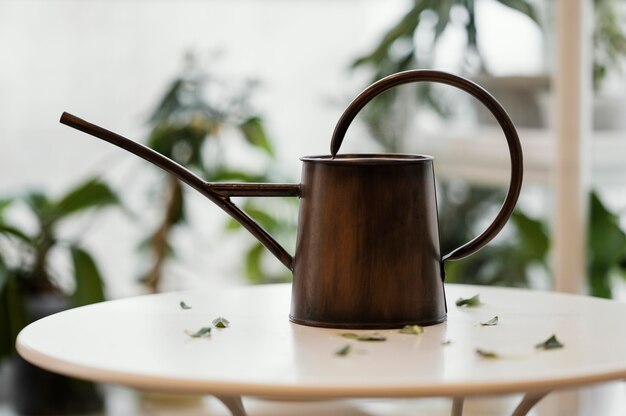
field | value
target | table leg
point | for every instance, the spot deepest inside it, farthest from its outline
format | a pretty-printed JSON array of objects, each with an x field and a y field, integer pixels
[
  {"x": 234, "y": 404},
  {"x": 457, "y": 406},
  {"x": 528, "y": 402}
]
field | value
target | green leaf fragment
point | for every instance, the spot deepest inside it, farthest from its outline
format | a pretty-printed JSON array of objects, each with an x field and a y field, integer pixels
[
  {"x": 492, "y": 322},
  {"x": 183, "y": 305},
  {"x": 90, "y": 194},
  {"x": 343, "y": 351},
  {"x": 446, "y": 342},
  {"x": 411, "y": 330},
  {"x": 374, "y": 336},
  {"x": 254, "y": 132},
  {"x": 204, "y": 332},
  {"x": 469, "y": 302},
  {"x": 89, "y": 281},
  {"x": 221, "y": 322},
  {"x": 549, "y": 344},
  {"x": 487, "y": 354}
]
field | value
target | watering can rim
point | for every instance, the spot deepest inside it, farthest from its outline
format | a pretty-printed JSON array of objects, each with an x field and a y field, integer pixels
[{"x": 369, "y": 159}]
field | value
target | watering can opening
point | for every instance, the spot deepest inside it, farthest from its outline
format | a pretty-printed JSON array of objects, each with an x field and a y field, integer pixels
[{"x": 369, "y": 158}]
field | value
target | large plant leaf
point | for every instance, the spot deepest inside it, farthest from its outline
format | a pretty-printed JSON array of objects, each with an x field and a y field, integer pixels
[
  {"x": 254, "y": 267},
  {"x": 12, "y": 313},
  {"x": 254, "y": 132},
  {"x": 89, "y": 282},
  {"x": 607, "y": 240},
  {"x": 471, "y": 31},
  {"x": 15, "y": 232},
  {"x": 6, "y": 336},
  {"x": 5, "y": 203},
  {"x": 176, "y": 211},
  {"x": 403, "y": 29},
  {"x": 169, "y": 104},
  {"x": 183, "y": 143},
  {"x": 38, "y": 202},
  {"x": 90, "y": 194},
  {"x": 443, "y": 17},
  {"x": 8, "y": 229},
  {"x": 607, "y": 246},
  {"x": 4, "y": 274},
  {"x": 254, "y": 272},
  {"x": 599, "y": 279},
  {"x": 533, "y": 238},
  {"x": 523, "y": 7}
]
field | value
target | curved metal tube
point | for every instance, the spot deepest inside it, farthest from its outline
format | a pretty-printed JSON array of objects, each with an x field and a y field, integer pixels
[{"x": 219, "y": 195}]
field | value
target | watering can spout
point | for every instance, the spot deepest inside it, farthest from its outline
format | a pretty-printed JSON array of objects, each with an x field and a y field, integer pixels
[{"x": 219, "y": 193}]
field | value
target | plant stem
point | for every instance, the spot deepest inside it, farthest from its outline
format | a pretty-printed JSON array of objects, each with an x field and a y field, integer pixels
[
  {"x": 161, "y": 236},
  {"x": 39, "y": 280}
]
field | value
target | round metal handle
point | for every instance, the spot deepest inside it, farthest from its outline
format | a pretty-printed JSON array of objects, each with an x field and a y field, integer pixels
[{"x": 515, "y": 149}]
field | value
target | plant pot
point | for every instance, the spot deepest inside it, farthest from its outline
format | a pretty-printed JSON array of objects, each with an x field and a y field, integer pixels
[{"x": 35, "y": 391}]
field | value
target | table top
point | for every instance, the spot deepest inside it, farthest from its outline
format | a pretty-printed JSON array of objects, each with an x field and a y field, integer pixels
[{"x": 142, "y": 342}]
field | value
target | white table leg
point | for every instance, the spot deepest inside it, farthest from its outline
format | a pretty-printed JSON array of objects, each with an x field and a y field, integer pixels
[
  {"x": 457, "y": 406},
  {"x": 527, "y": 403},
  {"x": 234, "y": 404}
]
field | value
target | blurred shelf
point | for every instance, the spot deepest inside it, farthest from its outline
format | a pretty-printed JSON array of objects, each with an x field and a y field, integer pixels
[{"x": 481, "y": 155}]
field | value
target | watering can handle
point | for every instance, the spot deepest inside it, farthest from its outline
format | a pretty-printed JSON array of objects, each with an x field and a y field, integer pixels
[{"x": 484, "y": 97}]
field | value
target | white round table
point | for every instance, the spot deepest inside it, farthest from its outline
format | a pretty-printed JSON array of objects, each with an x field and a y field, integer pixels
[{"x": 142, "y": 342}]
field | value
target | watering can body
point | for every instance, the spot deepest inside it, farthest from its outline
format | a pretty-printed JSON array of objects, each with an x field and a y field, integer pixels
[
  {"x": 366, "y": 242},
  {"x": 367, "y": 246}
]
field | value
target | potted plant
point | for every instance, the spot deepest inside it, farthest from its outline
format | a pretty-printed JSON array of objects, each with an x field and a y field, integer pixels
[
  {"x": 30, "y": 289},
  {"x": 398, "y": 50},
  {"x": 194, "y": 122},
  {"x": 510, "y": 261}
]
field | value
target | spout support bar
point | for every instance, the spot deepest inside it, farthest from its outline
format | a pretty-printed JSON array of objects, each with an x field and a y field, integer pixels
[{"x": 255, "y": 189}]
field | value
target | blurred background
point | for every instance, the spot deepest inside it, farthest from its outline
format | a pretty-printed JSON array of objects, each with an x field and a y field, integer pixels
[{"x": 238, "y": 91}]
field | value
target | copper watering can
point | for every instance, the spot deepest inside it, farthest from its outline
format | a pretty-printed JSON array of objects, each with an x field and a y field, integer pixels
[{"x": 367, "y": 247}]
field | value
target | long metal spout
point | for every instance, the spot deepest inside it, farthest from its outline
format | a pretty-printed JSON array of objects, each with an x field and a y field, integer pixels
[{"x": 218, "y": 193}]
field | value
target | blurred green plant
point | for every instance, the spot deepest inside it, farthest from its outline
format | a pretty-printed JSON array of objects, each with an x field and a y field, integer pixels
[
  {"x": 397, "y": 50},
  {"x": 190, "y": 125},
  {"x": 411, "y": 43},
  {"x": 511, "y": 261},
  {"x": 609, "y": 39},
  {"x": 506, "y": 261},
  {"x": 606, "y": 248},
  {"x": 25, "y": 267}
]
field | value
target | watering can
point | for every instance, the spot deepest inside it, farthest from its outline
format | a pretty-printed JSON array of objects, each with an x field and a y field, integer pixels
[{"x": 367, "y": 246}]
